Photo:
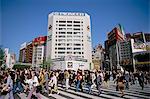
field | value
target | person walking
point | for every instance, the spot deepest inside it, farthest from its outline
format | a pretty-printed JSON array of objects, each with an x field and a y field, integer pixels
[
  {"x": 9, "y": 85},
  {"x": 66, "y": 75},
  {"x": 121, "y": 81},
  {"x": 88, "y": 80},
  {"x": 99, "y": 82},
  {"x": 127, "y": 77},
  {"x": 141, "y": 79},
  {"x": 53, "y": 84},
  {"x": 33, "y": 83},
  {"x": 78, "y": 82},
  {"x": 106, "y": 80}
]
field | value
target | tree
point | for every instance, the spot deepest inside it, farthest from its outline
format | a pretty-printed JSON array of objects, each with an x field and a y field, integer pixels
[
  {"x": 1, "y": 56},
  {"x": 47, "y": 63},
  {"x": 21, "y": 66}
]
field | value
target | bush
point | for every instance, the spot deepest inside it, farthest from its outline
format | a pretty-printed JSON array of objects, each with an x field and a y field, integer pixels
[{"x": 20, "y": 66}]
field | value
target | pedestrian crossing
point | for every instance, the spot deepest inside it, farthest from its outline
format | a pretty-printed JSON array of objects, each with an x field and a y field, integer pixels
[{"x": 110, "y": 93}]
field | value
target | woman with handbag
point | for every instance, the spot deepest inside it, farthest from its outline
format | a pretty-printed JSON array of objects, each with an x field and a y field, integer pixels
[{"x": 53, "y": 84}]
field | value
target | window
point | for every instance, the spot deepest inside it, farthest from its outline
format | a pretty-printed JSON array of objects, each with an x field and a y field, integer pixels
[
  {"x": 61, "y": 44},
  {"x": 69, "y": 48},
  {"x": 61, "y": 52},
  {"x": 69, "y": 28},
  {"x": 62, "y": 25},
  {"x": 61, "y": 36},
  {"x": 76, "y": 28},
  {"x": 77, "y": 44},
  {"x": 76, "y": 21},
  {"x": 60, "y": 40},
  {"x": 77, "y": 36},
  {"x": 76, "y": 32},
  {"x": 62, "y": 33},
  {"x": 61, "y": 48},
  {"x": 69, "y": 52},
  {"x": 62, "y": 21},
  {"x": 69, "y": 32},
  {"x": 69, "y": 21},
  {"x": 69, "y": 36},
  {"x": 69, "y": 25},
  {"x": 62, "y": 28},
  {"x": 76, "y": 25},
  {"x": 69, "y": 44},
  {"x": 77, "y": 48}
]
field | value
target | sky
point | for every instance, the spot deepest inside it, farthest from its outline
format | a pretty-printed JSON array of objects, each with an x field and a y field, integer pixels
[{"x": 23, "y": 20}]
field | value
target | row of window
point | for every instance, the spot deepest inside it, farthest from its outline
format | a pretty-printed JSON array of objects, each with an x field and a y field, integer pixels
[
  {"x": 68, "y": 44},
  {"x": 59, "y": 56},
  {"x": 75, "y": 25},
  {"x": 68, "y": 48},
  {"x": 63, "y": 40},
  {"x": 69, "y": 21},
  {"x": 63, "y": 36},
  {"x": 69, "y": 28},
  {"x": 62, "y": 52},
  {"x": 69, "y": 32}
]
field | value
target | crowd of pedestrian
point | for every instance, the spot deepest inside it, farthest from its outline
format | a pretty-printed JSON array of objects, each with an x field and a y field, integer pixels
[{"x": 39, "y": 81}]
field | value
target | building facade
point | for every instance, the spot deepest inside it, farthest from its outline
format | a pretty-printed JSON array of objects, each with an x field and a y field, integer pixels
[
  {"x": 39, "y": 51},
  {"x": 10, "y": 58},
  {"x": 25, "y": 53},
  {"x": 69, "y": 34},
  {"x": 112, "y": 46},
  {"x": 98, "y": 57},
  {"x": 22, "y": 53},
  {"x": 125, "y": 54}
]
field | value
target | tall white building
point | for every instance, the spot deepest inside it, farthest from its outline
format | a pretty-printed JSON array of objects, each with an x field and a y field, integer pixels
[
  {"x": 10, "y": 58},
  {"x": 69, "y": 34}
]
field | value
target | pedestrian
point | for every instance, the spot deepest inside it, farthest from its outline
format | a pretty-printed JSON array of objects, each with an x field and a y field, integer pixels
[
  {"x": 127, "y": 78},
  {"x": 33, "y": 84},
  {"x": 17, "y": 83},
  {"x": 88, "y": 80},
  {"x": 53, "y": 84},
  {"x": 141, "y": 79},
  {"x": 8, "y": 87},
  {"x": 78, "y": 82},
  {"x": 106, "y": 80},
  {"x": 66, "y": 76},
  {"x": 93, "y": 80},
  {"x": 99, "y": 82},
  {"x": 121, "y": 81}
]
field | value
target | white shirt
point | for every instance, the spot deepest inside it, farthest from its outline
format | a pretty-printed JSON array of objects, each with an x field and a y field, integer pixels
[{"x": 32, "y": 82}]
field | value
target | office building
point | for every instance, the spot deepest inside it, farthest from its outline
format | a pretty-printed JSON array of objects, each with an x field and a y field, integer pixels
[
  {"x": 39, "y": 51},
  {"x": 69, "y": 34}
]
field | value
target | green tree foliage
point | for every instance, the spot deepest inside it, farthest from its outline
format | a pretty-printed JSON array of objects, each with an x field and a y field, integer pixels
[
  {"x": 47, "y": 63},
  {"x": 21, "y": 66},
  {"x": 1, "y": 56}
]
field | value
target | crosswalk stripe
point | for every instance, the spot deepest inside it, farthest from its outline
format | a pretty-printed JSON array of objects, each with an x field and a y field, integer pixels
[
  {"x": 109, "y": 93},
  {"x": 58, "y": 96},
  {"x": 89, "y": 96},
  {"x": 71, "y": 95},
  {"x": 102, "y": 95},
  {"x": 127, "y": 92}
]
